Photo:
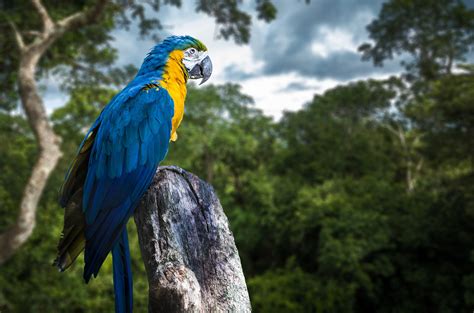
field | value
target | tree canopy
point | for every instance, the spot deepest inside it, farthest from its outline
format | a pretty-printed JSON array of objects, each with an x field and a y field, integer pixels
[{"x": 429, "y": 36}]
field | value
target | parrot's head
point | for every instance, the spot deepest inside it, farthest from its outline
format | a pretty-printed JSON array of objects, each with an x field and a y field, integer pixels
[
  {"x": 195, "y": 59},
  {"x": 190, "y": 52}
]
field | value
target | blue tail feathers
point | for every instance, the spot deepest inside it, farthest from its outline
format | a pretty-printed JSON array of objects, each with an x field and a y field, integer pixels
[{"x": 122, "y": 275}]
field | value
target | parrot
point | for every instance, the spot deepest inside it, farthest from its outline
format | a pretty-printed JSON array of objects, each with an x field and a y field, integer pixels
[{"x": 118, "y": 157}]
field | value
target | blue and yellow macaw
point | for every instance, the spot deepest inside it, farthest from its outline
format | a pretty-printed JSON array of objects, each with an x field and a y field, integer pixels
[{"x": 118, "y": 157}]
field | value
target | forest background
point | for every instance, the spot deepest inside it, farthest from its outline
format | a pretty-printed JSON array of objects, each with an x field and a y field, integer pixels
[{"x": 362, "y": 200}]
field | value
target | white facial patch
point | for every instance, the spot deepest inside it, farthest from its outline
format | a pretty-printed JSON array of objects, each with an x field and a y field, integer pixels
[{"x": 193, "y": 57}]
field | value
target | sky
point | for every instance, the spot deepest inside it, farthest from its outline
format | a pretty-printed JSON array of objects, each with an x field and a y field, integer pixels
[{"x": 307, "y": 49}]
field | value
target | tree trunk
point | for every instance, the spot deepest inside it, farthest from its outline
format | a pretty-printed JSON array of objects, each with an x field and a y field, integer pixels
[
  {"x": 48, "y": 142},
  {"x": 189, "y": 252},
  {"x": 48, "y": 156}
]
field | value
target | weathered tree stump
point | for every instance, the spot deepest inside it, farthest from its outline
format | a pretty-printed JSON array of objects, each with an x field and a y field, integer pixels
[{"x": 189, "y": 252}]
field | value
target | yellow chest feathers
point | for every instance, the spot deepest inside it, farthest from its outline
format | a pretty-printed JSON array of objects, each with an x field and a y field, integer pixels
[{"x": 174, "y": 81}]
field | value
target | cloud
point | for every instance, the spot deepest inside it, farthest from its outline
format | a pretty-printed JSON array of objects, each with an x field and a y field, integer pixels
[
  {"x": 285, "y": 92},
  {"x": 234, "y": 72},
  {"x": 299, "y": 86},
  {"x": 341, "y": 65},
  {"x": 320, "y": 40},
  {"x": 307, "y": 49}
]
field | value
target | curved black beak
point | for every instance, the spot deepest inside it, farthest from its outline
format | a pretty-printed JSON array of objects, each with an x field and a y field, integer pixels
[{"x": 202, "y": 70}]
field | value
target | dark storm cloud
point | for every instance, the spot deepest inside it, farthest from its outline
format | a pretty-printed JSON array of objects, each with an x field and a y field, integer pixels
[
  {"x": 344, "y": 65},
  {"x": 287, "y": 44}
]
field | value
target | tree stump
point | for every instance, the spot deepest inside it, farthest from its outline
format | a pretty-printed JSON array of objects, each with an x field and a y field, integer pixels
[{"x": 189, "y": 252}]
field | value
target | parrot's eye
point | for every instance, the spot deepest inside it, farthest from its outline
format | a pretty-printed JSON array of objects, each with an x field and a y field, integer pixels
[{"x": 191, "y": 53}]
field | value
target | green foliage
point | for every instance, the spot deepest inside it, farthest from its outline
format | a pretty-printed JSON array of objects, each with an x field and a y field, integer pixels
[
  {"x": 284, "y": 290},
  {"x": 435, "y": 33},
  {"x": 266, "y": 10},
  {"x": 17, "y": 151},
  {"x": 341, "y": 128},
  {"x": 447, "y": 117}
]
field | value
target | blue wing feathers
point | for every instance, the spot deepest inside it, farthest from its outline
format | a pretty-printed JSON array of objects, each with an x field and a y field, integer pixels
[
  {"x": 132, "y": 139},
  {"x": 131, "y": 135},
  {"x": 116, "y": 161},
  {"x": 154, "y": 124},
  {"x": 101, "y": 234},
  {"x": 101, "y": 165},
  {"x": 131, "y": 159},
  {"x": 94, "y": 252},
  {"x": 145, "y": 132},
  {"x": 143, "y": 156}
]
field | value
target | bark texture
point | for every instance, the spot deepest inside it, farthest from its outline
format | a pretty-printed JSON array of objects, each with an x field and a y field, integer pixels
[
  {"x": 48, "y": 142},
  {"x": 189, "y": 252}
]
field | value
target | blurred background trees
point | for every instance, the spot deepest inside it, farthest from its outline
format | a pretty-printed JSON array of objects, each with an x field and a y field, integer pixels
[
  {"x": 73, "y": 41},
  {"x": 362, "y": 201}
]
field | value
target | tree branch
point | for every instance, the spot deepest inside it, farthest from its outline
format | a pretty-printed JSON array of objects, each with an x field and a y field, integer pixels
[
  {"x": 48, "y": 24},
  {"x": 84, "y": 17},
  {"x": 32, "y": 33},
  {"x": 18, "y": 38},
  {"x": 189, "y": 252}
]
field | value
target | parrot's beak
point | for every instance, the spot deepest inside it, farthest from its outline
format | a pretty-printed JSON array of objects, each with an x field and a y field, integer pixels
[{"x": 202, "y": 70}]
